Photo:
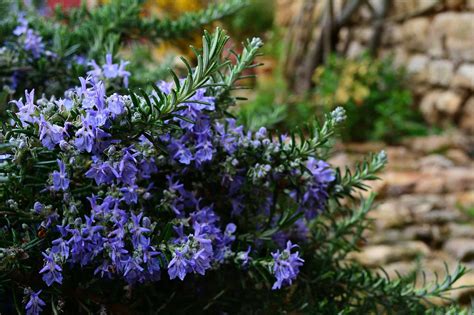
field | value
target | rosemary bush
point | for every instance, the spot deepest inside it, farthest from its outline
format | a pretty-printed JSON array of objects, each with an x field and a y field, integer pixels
[{"x": 157, "y": 201}]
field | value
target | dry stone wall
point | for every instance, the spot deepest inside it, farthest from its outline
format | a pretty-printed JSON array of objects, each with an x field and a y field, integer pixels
[{"x": 432, "y": 39}]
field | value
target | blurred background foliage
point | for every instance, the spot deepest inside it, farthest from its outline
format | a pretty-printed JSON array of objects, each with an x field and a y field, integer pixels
[{"x": 379, "y": 104}]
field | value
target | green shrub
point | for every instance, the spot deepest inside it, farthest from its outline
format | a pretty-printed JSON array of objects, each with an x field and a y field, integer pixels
[
  {"x": 374, "y": 94},
  {"x": 255, "y": 18}
]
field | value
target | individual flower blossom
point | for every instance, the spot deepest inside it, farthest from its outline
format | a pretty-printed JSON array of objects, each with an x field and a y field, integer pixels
[
  {"x": 60, "y": 180},
  {"x": 243, "y": 257},
  {"x": 261, "y": 133},
  {"x": 204, "y": 152},
  {"x": 35, "y": 303},
  {"x": 51, "y": 217},
  {"x": 129, "y": 194},
  {"x": 286, "y": 266},
  {"x": 201, "y": 261},
  {"x": 102, "y": 172},
  {"x": 26, "y": 112},
  {"x": 38, "y": 207},
  {"x": 115, "y": 105},
  {"x": 64, "y": 103},
  {"x": 127, "y": 168},
  {"x": 137, "y": 230},
  {"x": 178, "y": 266},
  {"x": 51, "y": 270},
  {"x": 33, "y": 43},
  {"x": 321, "y": 170},
  {"x": 180, "y": 152},
  {"x": 110, "y": 70},
  {"x": 50, "y": 135},
  {"x": 90, "y": 137},
  {"x": 133, "y": 268},
  {"x": 61, "y": 248},
  {"x": 314, "y": 194},
  {"x": 85, "y": 137},
  {"x": 147, "y": 167},
  {"x": 22, "y": 26}
]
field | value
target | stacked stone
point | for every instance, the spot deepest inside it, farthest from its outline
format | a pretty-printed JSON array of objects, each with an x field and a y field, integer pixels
[
  {"x": 434, "y": 41},
  {"x": 423, "y": 216}
]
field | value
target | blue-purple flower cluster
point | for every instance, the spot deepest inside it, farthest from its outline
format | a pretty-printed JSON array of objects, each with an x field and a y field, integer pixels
[
  {"x": 29, "y": 38},
  {"x": 109, "y": 70},
  {"x": 177, "y": 207},
  {"x": 35, "y": 304},
  {"x": 22, "y": 50},
  {"x": 23, "y": 47},
  {"x": 286, "y": 266}
]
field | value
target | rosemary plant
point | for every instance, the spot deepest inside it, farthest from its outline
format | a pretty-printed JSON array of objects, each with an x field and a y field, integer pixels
[{"x": 156, "y": 201}]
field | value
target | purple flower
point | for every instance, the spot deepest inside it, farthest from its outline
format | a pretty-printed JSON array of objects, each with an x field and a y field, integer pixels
[
  {"x": 204, "y": 151},
  {"x": 147, "y": 168},
  {"x": 115, "y": 105},
  {"x": 165, "y": 87},
  {"x": 201, "y": 261},
  {"x": 49, "y": 134},
  {"x": 84, "y": 139},
  {"x": 64, "y": 103},
  {"x": 121, "y": 72},
  {"x": 110, "y": 70},
  {"x": 34, "y": 43},
  {"x": 38, "y": 207},
  {"x": 35, "y": 303},
  {"x": 286, "y": 266},
  {"x": 96, "y": 71},
  {"x": 51, "y": 271},
  {"x": 60, "y": 180},
  {"x": 243, "y": 257},
  {"x": 26, "y": 111},
  {"x": 60, "y": 247},
  {"x": 133, "y": 269},
  {"x": 321, "y": 170},
  {"x": 137, "y": 230},
  {"x": 50, "y": 218},
  {"x": 180, "y": 152},
  {"x": 178, "y": 266},
  {"x": 129, "y": 194},
  {"x": 127, "y": 168},
  {"x": 22, "y": 27},
  {"x": 89, "y": 136},
  {"x": 102, "y": 172}
]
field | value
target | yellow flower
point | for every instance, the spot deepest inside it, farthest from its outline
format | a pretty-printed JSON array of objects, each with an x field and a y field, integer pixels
[{"x": 341, "y": 96}]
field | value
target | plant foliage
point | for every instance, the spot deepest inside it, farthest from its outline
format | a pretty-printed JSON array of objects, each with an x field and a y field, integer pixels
[
  {"x": 378, "y": 104},
  {"x": 157, "y": 201},
  {"x": 49, "y": 54}
]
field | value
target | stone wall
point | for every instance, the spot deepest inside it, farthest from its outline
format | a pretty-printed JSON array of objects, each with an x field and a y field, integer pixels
[
  {"x": 437, "y": 49},
  {"x": 433, "y": 40}
]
